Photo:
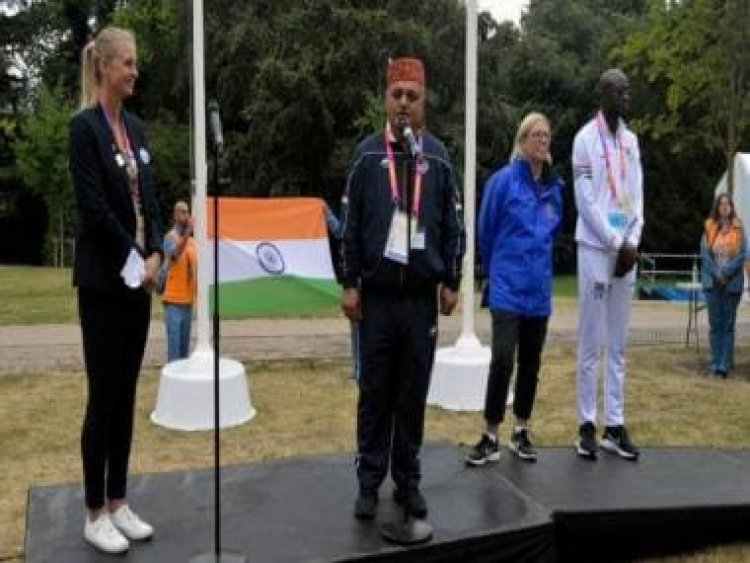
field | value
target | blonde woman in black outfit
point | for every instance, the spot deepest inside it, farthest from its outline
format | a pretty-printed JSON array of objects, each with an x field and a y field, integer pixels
[{"x": 117, "y": 256}]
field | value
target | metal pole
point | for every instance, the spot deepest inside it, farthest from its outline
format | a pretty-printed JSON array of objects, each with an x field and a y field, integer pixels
[{"x": 217, "y": 425}]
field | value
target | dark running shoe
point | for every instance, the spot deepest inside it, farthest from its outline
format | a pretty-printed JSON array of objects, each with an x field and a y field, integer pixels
[
  {"x": 616, "y": 440},
  {"x": 417, "y": 502},
  {"x": 586, "y": 443},
  {"x": 522, "y": 446},
  {"x": 366, "y": 505},
  {"x": 485, "y": 450}
]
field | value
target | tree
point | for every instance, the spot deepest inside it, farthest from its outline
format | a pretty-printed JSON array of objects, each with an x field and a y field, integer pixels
[
  {"x": 42, "y": 158},
  {"x": 300, "y": 83},
  {"x": 699, "y": 51}
]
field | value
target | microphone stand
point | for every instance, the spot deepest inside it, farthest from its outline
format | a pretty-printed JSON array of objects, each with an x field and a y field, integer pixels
[
  {"x": 405, "y": 529},
  {"x": 218, "y": 556}
]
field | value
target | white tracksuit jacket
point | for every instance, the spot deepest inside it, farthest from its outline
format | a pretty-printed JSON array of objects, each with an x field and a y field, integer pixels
[{"x": 605, "y": 220}]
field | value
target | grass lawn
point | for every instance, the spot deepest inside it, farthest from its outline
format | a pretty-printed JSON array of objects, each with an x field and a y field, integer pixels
[
  {"x": 41, "y": 295},
  {"x": 36, "y": 295},
  {"x": 668, "y": 404}
]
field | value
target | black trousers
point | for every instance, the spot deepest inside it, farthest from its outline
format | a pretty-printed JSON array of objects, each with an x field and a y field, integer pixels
[
  {"x": 511, "y": 332},
  {"x": 114, "y": 325},
  {"x": 397, "y": 347}
]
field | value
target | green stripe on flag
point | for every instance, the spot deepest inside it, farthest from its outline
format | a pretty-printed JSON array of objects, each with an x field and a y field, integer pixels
[{"x": 277, "y": 296}]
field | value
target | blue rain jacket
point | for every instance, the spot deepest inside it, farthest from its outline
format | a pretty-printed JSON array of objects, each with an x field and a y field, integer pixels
[{"x": 518, "y": 221}]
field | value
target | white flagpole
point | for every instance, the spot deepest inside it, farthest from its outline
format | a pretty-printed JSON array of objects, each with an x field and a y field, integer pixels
[
  {"x": 186, "y": 386},
  {"x": 459, "y": 373},
  {"x": 468, "y": 337},
  {"x": 203, "y": 345}
]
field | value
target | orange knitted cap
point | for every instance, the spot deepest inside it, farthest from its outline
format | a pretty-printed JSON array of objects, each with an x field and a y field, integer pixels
[{"x": 404, "y": 69}]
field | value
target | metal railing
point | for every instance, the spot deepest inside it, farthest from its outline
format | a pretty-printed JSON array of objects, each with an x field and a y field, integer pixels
[
  {"x": 62, "y": 252},
  {"x": 668, "y": 268}
]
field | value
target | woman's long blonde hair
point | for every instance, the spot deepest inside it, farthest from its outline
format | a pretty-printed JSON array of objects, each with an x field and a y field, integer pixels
[
  {"x": 96, "y": 53},
  {"x": 524, "y": 128}
]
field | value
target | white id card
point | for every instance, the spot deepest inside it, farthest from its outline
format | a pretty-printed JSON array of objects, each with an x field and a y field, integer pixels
[
  {"x": 417, "y": 236},
  {"x": 395, "y": 247}
]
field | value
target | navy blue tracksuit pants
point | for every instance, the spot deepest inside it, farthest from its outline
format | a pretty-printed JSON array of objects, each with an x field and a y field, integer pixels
[{"x": 398, "y": 332}]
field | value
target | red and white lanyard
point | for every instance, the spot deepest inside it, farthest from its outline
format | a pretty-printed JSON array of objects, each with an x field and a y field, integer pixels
[
  {"x": 607, "y": 161},
  {"x": 393, "y": 181}
]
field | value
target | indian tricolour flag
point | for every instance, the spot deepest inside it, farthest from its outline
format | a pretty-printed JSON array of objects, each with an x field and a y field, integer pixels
[{"x": 274, "y": 256}]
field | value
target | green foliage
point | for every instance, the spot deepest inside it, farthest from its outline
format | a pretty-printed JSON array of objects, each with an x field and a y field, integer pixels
[
  {"x": 694, "y": 56},
  {"x": 300, "y": 82},
  {"x": 161, "y": 31},
  {"x": 42, "y": 157}
]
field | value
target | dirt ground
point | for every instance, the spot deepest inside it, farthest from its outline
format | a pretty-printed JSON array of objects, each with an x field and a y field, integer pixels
[{"x": 31, "y": 348}]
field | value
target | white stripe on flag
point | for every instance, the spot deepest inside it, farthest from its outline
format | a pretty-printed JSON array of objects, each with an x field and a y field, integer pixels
[{"x": 242, "y": 260}]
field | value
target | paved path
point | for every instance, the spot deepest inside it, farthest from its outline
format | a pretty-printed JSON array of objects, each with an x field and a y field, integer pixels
[{"x": 34, "y": 348}]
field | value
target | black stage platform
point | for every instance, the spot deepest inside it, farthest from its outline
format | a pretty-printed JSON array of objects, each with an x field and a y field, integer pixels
[{"x": 560, "y": 509}]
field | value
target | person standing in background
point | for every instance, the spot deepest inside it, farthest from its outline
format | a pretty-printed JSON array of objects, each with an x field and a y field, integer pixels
[
  {"x": 118, "y": 254},
  {"x": 608, "y": 186},
  {"x": 723, "y": 251},
  {"x": 520, "y": 215},
  {"x": 180, "y": 286}
]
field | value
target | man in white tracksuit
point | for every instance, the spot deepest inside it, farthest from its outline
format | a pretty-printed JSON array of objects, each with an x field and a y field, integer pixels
[{"x": 608, "y": 182}]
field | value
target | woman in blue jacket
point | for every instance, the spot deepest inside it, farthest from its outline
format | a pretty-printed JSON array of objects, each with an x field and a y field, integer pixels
[{"x": 520, "y": 214}]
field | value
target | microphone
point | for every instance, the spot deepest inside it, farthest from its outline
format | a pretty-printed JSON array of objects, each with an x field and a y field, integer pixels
[
  {"x": 215, "y": 122},
  {"x": 411, "y": 140}
]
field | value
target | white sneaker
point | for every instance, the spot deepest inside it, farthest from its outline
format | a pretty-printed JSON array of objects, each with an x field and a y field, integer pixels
[
  {"x": 103, "y": 535},
  {"x": 130, "y": 524}
]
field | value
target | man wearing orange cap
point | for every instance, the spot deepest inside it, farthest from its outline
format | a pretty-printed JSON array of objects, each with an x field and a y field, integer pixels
[{"x": 402, "y": 247}]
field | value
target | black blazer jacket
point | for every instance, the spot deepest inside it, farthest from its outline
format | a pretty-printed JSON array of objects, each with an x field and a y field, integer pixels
[{"x": 106, "y": 221}]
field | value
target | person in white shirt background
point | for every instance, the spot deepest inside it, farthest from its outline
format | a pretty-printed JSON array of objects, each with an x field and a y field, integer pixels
[{"x": 608, "y": 184}]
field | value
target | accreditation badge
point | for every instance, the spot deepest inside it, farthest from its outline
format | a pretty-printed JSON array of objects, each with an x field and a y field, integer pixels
[
  {"x": 618, "y": 220},
  {"x": 396, "y": 247},
  {"x": 417, "y": 236}
]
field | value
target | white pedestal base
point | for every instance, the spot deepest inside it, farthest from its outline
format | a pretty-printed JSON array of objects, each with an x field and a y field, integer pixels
[
  {"x": 459, "y": 376},
  {"x": 186, "y": 398}
]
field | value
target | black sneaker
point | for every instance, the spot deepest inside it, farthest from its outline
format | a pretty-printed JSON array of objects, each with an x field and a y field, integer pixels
[
  {"x": 417, "y": 502},
  {"x": 366, "y": 505},
  {"x": 616, "y": 440},
  {"x": 586, "y": 443},
  {"x": 485, "y": 450},
  {"x": 521, "y": 445}
]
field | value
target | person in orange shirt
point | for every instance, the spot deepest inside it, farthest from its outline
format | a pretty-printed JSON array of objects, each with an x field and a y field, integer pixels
[
  {"x": 180, "y": 287},
  {"x": 723, "y": 250}
]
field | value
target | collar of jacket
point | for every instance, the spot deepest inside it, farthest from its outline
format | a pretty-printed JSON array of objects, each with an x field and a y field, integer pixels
[{"x": 524, "y": 166}]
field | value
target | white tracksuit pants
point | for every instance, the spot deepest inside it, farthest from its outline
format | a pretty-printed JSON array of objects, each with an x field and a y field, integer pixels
[{"x": 604, "y": 303}]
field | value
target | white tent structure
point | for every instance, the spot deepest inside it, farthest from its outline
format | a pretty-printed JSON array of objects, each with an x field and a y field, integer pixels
[
  {"x": 741, "y": 186},
  {"x": 741, "y": 197}
]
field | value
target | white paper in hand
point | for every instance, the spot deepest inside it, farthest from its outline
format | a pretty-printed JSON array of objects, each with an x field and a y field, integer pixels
[{"x": 134, "y": 270}]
